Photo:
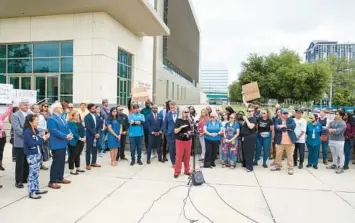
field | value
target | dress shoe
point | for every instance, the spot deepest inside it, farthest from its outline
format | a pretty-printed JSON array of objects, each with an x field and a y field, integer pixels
[
  {"x": 140, "y": 162},
  {"x": 162, "y": 161},
  {"x": 300, "y": 166},
  {"x": 88, "y": 167},
  {"x": 309, "y": 165},
  {"x": 54, "y": 186},
  {"x": 176, "y": 176},
  {"x": 64, "y": 181},
  {"x": 34, "y": 196},
  {"x": 132, "y": 163},
  {"x": 19, "y": 185},
  {"x": 265, "y": 166},
  {"x": 95, "y": 165},
  {"x": 346, "y": 167},
  {"x": 165, "y": 159},
  {"x": 315, "y": 167},
  {"x": 124, "y": 158},
  {"x": 148, "y": 161},
  {"x": 80, "y": 171},
  {"x": 42, "y": 192},
  {"x": 2, "y": 168}
]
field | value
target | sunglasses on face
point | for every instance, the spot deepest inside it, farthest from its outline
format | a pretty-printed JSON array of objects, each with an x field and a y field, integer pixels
[
  {"x": 186, "y": 112},
  {"x": 46, "y": 106},
  {"x": 213, "y": 116},
  {"x": 70, "y": 107}
]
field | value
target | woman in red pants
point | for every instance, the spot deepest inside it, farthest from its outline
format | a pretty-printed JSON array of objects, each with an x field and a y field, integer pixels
[{"x": 183, "y": 143}]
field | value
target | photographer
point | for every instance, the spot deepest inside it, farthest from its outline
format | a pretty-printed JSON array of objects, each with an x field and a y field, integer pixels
[{"x": 183, "y": 142}]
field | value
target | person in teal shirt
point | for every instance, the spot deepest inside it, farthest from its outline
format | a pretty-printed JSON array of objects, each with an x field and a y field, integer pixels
[
  {"x": 146, "y": 111},
  {"x": 136, "y": 131},
  {"x": 213, "y": 130},
  {"x": 314, "y": 130}
]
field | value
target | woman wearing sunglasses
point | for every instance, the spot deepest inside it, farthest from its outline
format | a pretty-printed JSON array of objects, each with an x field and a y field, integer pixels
[
  {"x": 264, "y": 136},
  {"x": 248, "y": 134},
  {"x": 313, "y": 141},
  {"x": 213, "y": 130},
  {"x": 201, "y": 123},
  {"x": 45, "y": 111},
  {"x": 183, "y": 142},
  {"x": 230, "y": 143}
]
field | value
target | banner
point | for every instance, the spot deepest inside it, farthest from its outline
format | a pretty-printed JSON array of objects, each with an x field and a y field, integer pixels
[
  {"x": 6, "y": 93},
  {"x": 251, "y": 91},
  {"x": 18, "y": 95},
  {"x": 140, "y": 94}
]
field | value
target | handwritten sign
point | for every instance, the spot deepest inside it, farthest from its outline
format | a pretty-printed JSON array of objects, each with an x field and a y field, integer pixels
[
  {"x": 6, "y": 93},
  {"x": 140, "y": 94},
  {"x": 18, "y": 95},
  {"x": 251, "y": 91}
]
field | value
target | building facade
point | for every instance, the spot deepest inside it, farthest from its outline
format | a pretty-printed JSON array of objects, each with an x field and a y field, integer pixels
[
  {"x": 214, "y": 83},
  {"x": 319, "y": 50},
  {"x": 72, "y": 52}
]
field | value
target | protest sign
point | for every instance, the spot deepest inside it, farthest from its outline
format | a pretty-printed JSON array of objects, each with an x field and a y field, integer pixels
[
  {"x": 140, "y": 94},
  {"x": 18, "y": 95},
  {"x": 6, "y": 93},
  {"x": 251, "y": 91}
]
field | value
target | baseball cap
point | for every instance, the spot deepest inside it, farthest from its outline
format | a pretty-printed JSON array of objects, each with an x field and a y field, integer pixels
[
  {"x": 299, "y": 111},
  {"x": 284, "y": 111}
]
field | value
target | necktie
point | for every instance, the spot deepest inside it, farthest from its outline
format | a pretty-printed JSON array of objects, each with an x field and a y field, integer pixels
[{"x": 155, "y": 116}]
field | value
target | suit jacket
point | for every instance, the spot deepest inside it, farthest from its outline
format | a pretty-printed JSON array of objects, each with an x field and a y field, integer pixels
[
  {"x": 58, "y": 130},
  {"x": 91, "y": 128},
  {"x": 154, "y": 125},
  {"x": 291, "y": 125},
  {"x": 17, "y": 124},
  {"x": 169, "y": 124}
]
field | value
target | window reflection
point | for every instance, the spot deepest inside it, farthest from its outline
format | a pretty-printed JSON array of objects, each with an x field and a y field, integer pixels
[
  {"x": 46, "y": 65},
  {"x": 50, "y": 49},
  {"x": 19, "y": 66},
  {"x": 19, "y": 50},
  {"x": 67, "y": 49}
]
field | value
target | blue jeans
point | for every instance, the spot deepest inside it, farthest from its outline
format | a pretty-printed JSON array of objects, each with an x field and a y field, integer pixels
[
  {"x": 171, "y": 147},
  {"x": 136, "y": 143},
  {"x": 265, "y": 143},
  {"x": 313, "y": 154},
  {"x": 325, "y": 150},
  {"x": 347, "y": 152}
]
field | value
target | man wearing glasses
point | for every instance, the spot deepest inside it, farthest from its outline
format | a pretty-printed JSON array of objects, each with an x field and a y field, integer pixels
[{"x": 285, "y": 139}]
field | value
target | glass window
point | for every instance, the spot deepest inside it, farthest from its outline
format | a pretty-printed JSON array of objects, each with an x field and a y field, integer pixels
[
  {"x": 20, "y": 66},
  {"x": 46, "y": 65},
  {"x": 46, "y": 49},
  {"x": 66, "y": 98},
  {"x": 67, "y": 49},
  {"x": 26, "y": 83},
  {"x": 15, "y": 81},
  {"x": 123, "y": 70},
  {"x": 52, "y": 89},
  {"x": 2, "y": 66},
  {"x": 66, "y": 84},
  {"x": 67, "y": 65},
  {"x": 41, "y": 88},
  {"x": 2, "y": 51},
  {"x": 2, "y": 79},
  {"x": 20, "y": 50}
]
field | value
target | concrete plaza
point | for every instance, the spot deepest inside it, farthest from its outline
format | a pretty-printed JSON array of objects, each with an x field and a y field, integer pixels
[{"x": 124, "y": 193}]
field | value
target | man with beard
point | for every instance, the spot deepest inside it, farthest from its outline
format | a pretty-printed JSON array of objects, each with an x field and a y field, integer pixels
[{"x": 146, "y": 111}]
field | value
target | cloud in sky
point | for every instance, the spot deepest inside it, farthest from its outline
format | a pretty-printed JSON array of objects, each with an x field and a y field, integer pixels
[{"x": 232, "y": 29}]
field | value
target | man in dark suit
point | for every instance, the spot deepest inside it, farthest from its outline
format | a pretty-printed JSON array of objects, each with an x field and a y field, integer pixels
[
  {"x": 154, "y": 124},
  {"x": 93, "y": 126},
  {"x": 168, "y": 128}
]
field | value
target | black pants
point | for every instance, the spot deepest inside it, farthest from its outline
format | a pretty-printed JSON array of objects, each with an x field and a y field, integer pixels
[
  {"x": 299, "y": 148},
  {"x": 121, "y": 154},
  {"x": 22, "y": 169},
  {"x": 74, "y": 155},
  {"x": 146, "y": 137},
  {"x": 211, "y": 152},
  {"x": 2, "y": 146},
  {"x": 165, "y": 146},
  {"x": 248, "y": 149}
]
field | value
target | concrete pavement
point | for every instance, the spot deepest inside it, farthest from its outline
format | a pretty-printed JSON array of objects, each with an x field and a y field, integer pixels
[{"x": 125, "y": 194}]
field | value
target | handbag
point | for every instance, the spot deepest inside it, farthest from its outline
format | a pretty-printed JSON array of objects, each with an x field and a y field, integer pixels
[
  {"x": 197, "y": 178},
  {"x": 324, "y": 137}
]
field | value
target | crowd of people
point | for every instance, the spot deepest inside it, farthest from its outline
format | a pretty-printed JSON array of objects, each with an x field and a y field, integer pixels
[{"x": 62, "y": 132}]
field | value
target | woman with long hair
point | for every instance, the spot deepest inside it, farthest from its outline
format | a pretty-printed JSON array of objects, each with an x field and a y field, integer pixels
[
  {"x": 31, "y": 148},
  {"x": 114, "y": 135},
  {"x": 201, "y": 123},
  {"x": 230, "y": 142},
  {"x": 183, "y": 142},
  {"x": 209, "y": 110},
  {"x": 264, "y": 137},
  {"x": 349, "y": 135},
  {"x": 45, "y": 111},
  {"x": 75, "y": 145}
]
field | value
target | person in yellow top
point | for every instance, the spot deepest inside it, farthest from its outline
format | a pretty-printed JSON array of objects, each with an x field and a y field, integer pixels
[{"x": 83, "y": 111}]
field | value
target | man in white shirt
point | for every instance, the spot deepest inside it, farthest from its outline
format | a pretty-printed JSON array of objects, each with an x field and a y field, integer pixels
[{"x": 300, "y": 131}]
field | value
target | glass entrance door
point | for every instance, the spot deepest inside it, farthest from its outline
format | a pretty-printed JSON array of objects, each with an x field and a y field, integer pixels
[
  {"x": 47, "y": 87},
  {"x": 21, "y": 82},
  {"x": 123, "y": 92}
]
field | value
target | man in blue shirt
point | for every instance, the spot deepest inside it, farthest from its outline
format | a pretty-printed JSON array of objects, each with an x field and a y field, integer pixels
[{"x": 136, "y": 132}]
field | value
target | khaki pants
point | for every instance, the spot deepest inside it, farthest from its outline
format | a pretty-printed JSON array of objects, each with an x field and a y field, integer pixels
[{"x": 289, "y": 152}]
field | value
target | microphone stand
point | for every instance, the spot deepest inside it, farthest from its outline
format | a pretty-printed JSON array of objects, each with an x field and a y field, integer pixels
[{"x": 193, "y": 135}]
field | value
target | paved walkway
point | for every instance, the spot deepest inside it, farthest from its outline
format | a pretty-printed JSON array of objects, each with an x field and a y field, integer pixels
[{"x": 124, "y": 194}]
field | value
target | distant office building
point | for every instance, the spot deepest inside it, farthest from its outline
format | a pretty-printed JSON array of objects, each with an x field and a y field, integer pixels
[
  {"x": 214, "y": 83},
  {"x": 319, "y": 50}
]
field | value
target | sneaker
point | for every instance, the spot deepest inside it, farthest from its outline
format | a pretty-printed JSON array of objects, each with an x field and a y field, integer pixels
[
  {"x": 332, "y": 167},
  {"x": 35, "y": 196},
  {"x": 132, "y": 163},
  {"x": 339, "y": 170},
  {"x": 101, "y": 154},
  {"x": 290, "y": 172},
  {"x": 300, "y": 166},
  {"x": 248, "y": 171},
  {"x": 346, "y": 167},
  {"x": 275, "y": 168}
]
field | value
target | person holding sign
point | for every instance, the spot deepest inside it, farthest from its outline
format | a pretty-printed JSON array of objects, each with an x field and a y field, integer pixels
[{"x": 2, "y": 134}]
